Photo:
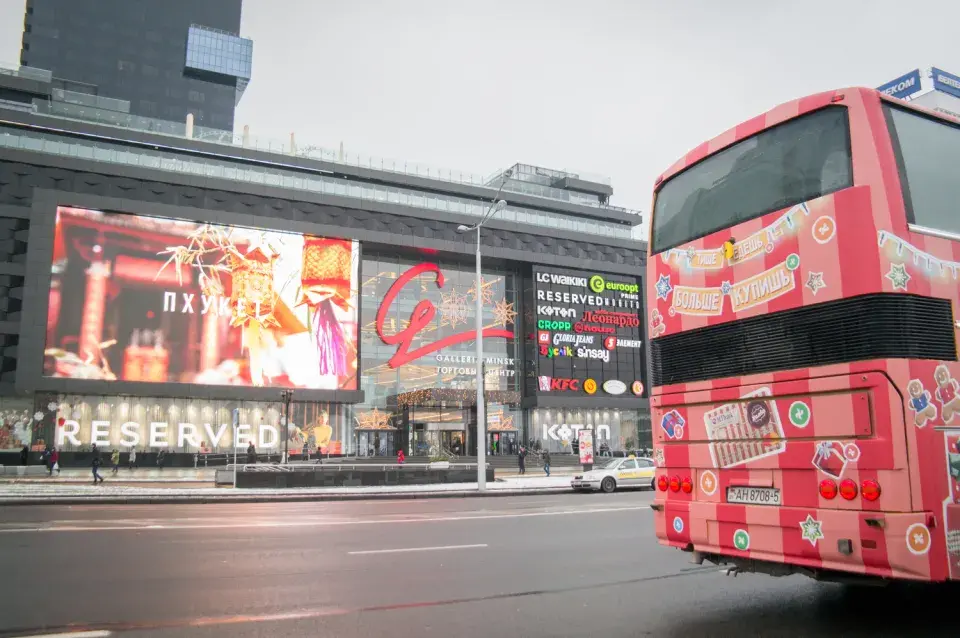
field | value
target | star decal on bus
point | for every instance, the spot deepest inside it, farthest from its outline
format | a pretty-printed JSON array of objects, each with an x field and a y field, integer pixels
[
  {"x": 663, "y": 287},
  {"x": 815, "y": 282},
  {"x": 811, "y": 530},
  {"x": 898, "y": 276}
]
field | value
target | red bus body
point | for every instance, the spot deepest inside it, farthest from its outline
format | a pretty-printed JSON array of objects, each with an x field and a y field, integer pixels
[{"x": 856, "y": 452}]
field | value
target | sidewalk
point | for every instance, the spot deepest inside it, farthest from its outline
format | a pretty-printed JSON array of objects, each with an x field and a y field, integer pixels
[
  {"x": 197, "y": 477},
  {"x": 60, "y": 493},
  {"x": 146, "y": 475}
]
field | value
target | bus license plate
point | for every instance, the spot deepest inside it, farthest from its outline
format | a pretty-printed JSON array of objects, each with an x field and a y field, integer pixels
[{"x": 753, "y": 495}]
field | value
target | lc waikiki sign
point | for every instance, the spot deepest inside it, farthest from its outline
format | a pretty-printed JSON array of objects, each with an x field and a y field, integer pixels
[{"x": 421, "y": 317}]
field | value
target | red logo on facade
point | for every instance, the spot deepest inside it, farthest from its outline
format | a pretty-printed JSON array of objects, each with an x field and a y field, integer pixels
[
  {"x": 420, "y": 318},
  {"x": 610, "y": 343},
  {"x": 543, "y": 337},
  {"x": 563, "y": 385}
]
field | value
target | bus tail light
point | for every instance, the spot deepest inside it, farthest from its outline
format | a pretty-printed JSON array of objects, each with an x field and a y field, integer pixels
[
  {"x": 674, "y": 483},
  {"x": 662, "y": 482},
  {"x": 686, "y": 485},
  {"x": 828, "y": 489},
  {"x": 870, "y": 490},
  {"x": 848, "y": 489}
]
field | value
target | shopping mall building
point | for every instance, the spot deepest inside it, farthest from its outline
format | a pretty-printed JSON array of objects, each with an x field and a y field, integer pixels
[{"x": 161, "y": 290}]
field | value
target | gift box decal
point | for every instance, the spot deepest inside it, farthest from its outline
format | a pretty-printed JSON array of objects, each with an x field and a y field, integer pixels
[{"x": 831, "y": 457}]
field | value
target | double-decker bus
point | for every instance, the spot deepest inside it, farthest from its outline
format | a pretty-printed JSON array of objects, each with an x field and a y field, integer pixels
[{"x": 802, "y": 292}]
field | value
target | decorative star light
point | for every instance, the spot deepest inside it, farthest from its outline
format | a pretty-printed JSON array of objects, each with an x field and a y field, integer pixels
[
  {"x": 504, "y": 312},
  {"x": 663, "y": 287},
  {"x": 486, "y": 291},
  {"x": 898, "y": 276},
  {"x": 811, "y": 530},
  {"x": 725, "y": 287},
  {"x": 453, "y": 309},
  {"x": 374, "y": 420},
  {"x": 815, "y": 282}
]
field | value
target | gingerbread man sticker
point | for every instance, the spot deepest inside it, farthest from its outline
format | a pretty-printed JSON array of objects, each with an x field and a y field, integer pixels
[
  {"x": 947, "y": 395},
  {"x": 921, "y": 403},
  {"x": 657, "y": 326}
]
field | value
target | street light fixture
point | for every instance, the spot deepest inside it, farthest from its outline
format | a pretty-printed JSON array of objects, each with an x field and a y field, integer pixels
[
  {"x": 287, "y": 396},
  {"x": 495, "y": 208}
]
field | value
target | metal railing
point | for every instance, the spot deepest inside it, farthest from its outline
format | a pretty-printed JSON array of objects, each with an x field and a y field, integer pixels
[{"x": 27, "y": 72}]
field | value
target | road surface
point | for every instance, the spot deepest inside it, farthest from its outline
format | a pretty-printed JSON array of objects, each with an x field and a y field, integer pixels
[{"x": 547, "y": 565}]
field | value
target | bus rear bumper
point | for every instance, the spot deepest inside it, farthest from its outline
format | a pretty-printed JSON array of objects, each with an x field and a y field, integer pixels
[{"x": 816, "y": 542}]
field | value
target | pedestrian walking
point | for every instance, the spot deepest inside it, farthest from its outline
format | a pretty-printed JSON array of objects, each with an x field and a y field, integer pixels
[
  {"x": 546, "y": 462},
  {"x": 54, "y": 461},
  {"x": 251, "y": 454},
  {"x": 132, "y": 459},
  {"x": 115, "y": 460},
  {"x": 24, "y": 455},
  {"x": 521, "y": 459},
  {"x": 400, "y": 457},
  {"x": 161, "y": 458},
  {"x": 306, "y": 452},
  {"x": 95, "y": 464}
]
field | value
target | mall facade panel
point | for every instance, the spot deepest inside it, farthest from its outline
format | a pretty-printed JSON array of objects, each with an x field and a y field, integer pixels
[{"x": 163, "y": 293}]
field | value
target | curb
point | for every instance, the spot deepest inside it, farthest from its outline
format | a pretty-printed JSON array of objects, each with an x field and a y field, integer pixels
[{"x": 274, "y": 498}]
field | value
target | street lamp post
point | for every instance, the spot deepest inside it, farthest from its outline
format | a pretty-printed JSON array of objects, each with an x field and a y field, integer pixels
[
  {"x": 287, "y": 397},
  {"x": 495, "y": 208}
]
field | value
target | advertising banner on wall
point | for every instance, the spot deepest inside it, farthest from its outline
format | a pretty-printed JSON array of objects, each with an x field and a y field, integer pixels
[
  {"x": 588, "y": 339},
  {"x": 585, "y": 440},
  {"x": 160, "y": 300}
]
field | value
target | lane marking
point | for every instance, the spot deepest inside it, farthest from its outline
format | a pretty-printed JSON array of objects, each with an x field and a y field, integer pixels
[
  {"x": 75, "y": 634},
  {"x": 415, "y": 549},
  {"x": 318, "y": 523}
]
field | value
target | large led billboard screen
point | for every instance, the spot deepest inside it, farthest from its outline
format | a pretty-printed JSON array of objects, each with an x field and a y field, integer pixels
[{"x": 159, "y": 300}]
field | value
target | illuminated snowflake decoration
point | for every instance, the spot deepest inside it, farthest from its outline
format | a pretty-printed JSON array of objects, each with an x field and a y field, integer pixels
[
  {"x": 504, "y": 312},
  {"x": 453, "y": 309},
  {"x": 486, "y": 291}
]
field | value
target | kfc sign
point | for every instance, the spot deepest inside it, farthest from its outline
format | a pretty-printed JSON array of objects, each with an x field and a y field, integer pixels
[{"x": 553, "y": 384}]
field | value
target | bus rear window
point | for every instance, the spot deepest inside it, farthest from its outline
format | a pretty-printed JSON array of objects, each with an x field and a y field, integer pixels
[
  {"x": 798, "y": 160},
  {"x": 928, "y": 154}
]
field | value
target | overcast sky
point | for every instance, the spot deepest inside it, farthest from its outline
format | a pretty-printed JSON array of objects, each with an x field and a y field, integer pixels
[{"x": 616, "y": 87}]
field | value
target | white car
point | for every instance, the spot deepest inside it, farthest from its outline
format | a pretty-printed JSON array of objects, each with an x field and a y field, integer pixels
[{"x": 628, "y": 472}]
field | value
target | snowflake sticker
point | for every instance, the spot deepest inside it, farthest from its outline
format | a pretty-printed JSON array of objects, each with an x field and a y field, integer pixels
[
  {"x": 898, "y": 276},
  {"x": 811, "y": 530},
  {"x": 663, "y": 287},
  {"x": 725, "y": 287}
]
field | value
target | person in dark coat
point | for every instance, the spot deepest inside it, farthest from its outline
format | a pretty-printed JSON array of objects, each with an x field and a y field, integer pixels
[
  {"x": 95, "y": 464},
  {"x": 251, "y": 453},
  {"x": 546, "y": 462},
  {"x": 521, "y": 459},
  {"x": 24, "y": 455}
]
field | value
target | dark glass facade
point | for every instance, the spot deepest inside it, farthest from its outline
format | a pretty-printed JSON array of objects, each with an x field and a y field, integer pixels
[{"x": 136, "y": 50}]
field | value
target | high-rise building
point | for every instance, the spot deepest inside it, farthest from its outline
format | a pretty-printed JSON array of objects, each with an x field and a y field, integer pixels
[{"x": 145, "y": 58}]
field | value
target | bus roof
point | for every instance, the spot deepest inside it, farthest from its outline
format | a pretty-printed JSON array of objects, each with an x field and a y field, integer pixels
[{"x": 778, "y": 115}]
